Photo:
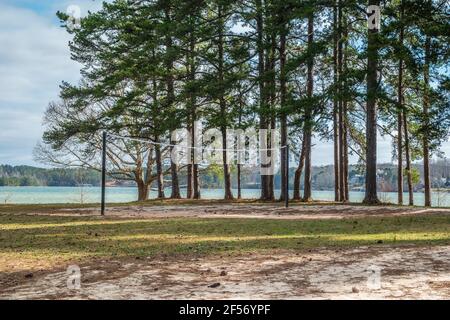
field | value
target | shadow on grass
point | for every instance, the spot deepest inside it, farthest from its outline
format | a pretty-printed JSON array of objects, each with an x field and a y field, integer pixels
[{"x": 54, "y": 238}]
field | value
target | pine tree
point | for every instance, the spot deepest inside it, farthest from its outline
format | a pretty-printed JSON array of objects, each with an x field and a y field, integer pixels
[{"x": 371, "y": 116}]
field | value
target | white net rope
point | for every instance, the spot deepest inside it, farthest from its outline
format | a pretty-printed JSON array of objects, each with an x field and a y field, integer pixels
[
  {"x": 245, "y": 150},
  {"x": 161, "y": 144},
  {"x": 153, "y": 161}
]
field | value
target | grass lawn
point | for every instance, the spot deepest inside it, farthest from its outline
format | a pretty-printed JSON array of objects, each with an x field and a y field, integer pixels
[{"x": 30, "y": 242}]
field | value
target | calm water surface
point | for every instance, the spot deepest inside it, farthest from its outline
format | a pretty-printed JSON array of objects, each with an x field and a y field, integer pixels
[{"x": 41, "y": 195}]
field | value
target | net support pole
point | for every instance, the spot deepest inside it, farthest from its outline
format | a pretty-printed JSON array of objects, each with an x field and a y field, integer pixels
[
  {"x": 286, "y": 194},
  {"x": 103, "y": 172}
]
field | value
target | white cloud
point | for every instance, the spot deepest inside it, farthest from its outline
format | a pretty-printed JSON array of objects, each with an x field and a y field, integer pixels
[{"x": 34, "y": 59}]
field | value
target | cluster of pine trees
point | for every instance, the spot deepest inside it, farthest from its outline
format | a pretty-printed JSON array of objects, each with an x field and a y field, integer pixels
[{"x": 309, "y": 68}]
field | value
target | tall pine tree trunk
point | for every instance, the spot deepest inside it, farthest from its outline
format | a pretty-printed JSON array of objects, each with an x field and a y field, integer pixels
[
  {"x": 340, "y": 53},
  {"x": 271, "y": 66},
  {"x": 240, "y": 147},
  {"x": 223, "y": 108},
  {"x": 190, "y": 167},
  {"x": 197, "y": 192},
  {"x": 345, "y": 115},
  {"x": 426, "y": 106},
  {"x": 408, "y": 159},
  {"x": 226, "y": 166},
  {"x": 195, "y": 174},
  {"x": 400, "y": 118},
  {"x": 175, "y": 194},
  {"x": 261, "y": 81},
  {"x": 193, "y": 170},
  {"x": 159, "y": 171},
  {"x": 345, "y": 155},
  {"x": 283, "y": 117},
  {"x": 371, "y": 196},
  {"x": 239, "y": 190},
  {"x": 308, "y": 112},
  {"x": 158, "y": 153},
  {"x": 195, "y": 153},
  {"x": 170, "y": 105},
  {"x": 299, "y": 171},
  {"x": 336, "y": 137}
]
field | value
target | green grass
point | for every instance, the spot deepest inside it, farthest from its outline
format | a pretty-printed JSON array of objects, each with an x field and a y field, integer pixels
[{"x": 32, "y": 242}]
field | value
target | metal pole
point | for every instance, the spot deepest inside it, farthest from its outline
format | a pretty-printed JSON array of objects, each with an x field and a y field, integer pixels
[
  {"x": 286, "y": 195},
  {"x": 103, "y": 173}
]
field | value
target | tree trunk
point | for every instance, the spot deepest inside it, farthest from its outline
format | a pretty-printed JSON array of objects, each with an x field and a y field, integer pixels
[
  {"x": 193, "y": 167},
  {"x": 195, "y": 175},
  {"x": 223, "y": 111},
  {"x": 283, "y": 116},
  {"x": 308, "y": 112},
  {"x": 190, "y": 168},
  {"x": 400, "y": 158},
  {"x": 142, "y": 186},
  {"x": 341, "y": 105},
  {"x": 262, "y": 90},
  {"x": 226, "y": 167},
  {"x": 189, "y": 186},
  {"x": 371, "y": 196},
  {"x": 345, "y": 151},
  {"x": 298, "y": 172},
  {"x": 239, "y": 147},
  {"x": 271, "y": 65},
  {"x": 336, "y": 136},
  {"x": 197, "y": 192},
  {"x": 159, "y": 171},
  {"x": 239, "y": 181},
  {"x": 147, "y": 176},
  {"x": 426, "y": 106},
  {"x": 170, "y": 101},
  {"x": 143, "y": 190},
  {"x": 189, "y": 175},
  {"x": 400, "y": 119},
  {"x": 345, "y": 115},
  {"x": 408, "y": 159},
  {"x": 158, "y": 154},
  {"x": 174, "y": 178}
]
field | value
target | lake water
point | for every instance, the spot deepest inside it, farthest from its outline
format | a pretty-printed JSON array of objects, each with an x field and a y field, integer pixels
[{"x": 53, "y": 195}]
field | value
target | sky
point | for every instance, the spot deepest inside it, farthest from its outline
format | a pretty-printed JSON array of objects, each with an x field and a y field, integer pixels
[{"x": 35, "y": 59}]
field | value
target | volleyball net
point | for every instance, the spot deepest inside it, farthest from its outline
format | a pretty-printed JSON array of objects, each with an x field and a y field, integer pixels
[{"x": 204, "y": 165}]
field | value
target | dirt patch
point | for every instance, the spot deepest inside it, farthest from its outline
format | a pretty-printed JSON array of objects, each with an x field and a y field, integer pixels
[
  {"x": 253, "y": 211},
  {"x": 361, "y": 273}
]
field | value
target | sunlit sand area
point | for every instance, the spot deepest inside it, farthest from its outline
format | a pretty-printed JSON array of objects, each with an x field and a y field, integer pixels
[{"x": 220, "y": 250}]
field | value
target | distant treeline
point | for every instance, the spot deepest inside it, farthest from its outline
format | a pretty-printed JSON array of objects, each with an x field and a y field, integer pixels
[
  {"x": 58, "y": 177},
  {"x": 211, "y": 177}
]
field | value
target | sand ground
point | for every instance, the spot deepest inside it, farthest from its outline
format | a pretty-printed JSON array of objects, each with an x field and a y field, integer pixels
[
  {"x": 361, "y": 273},
  {"x": 381, "y": 272},
  {"x": 255, "y": 211}
]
